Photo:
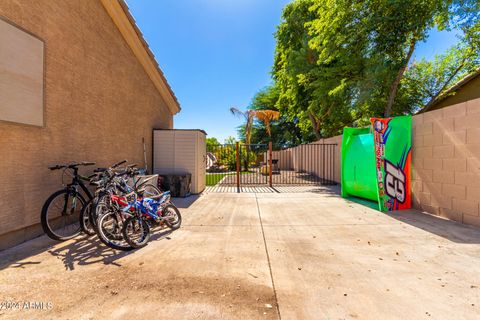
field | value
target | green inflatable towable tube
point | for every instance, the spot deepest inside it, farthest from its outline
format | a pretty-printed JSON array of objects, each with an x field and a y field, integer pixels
[
  {"x": 358, "y": 164},
  {"x": 376, "y": 162}
]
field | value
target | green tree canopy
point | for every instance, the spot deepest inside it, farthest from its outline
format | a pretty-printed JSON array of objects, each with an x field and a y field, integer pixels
[{"x": 340, "y": 62}]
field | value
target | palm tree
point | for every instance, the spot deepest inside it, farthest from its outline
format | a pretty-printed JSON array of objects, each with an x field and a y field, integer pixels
[
  {"x": 249, "y": 115},
  {"x": 267, "y": 116}
]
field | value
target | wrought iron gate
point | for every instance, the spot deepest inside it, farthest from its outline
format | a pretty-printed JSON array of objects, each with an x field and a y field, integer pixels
[
  {"x": 253, "y": 168},
  {"x": 258, "y": 165}
]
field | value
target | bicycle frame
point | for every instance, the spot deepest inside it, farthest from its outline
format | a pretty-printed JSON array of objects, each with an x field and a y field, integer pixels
[
  {"x": 78, "y": 182},
  {"x": 145, "y": 206}
]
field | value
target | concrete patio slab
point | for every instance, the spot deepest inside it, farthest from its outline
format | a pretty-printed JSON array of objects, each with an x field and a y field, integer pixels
[
  {"x": 239, "y": 255},
  {"x": 334, "y": 259}
]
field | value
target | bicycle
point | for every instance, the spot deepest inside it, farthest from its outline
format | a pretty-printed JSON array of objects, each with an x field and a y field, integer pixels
[
  {"x": 146, "y": 212},
  {"x": 60, "y": 213},
  {"x": 102, "y": 214}
]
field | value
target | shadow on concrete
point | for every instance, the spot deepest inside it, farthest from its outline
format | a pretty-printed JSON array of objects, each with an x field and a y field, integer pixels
[
  {"x": 452, "y": 230},
  {"x": 364, "y": 202},
  {"x": 448, "y": 229},
  {"x": 333, "y": 190},
  {"x": 90, "y": 250},
  {"x": 186, "y": 202},
  {"x": 86, "y": 251},
  {"x": 80, "y": 251},
  {"x": 14, "y": 256}
]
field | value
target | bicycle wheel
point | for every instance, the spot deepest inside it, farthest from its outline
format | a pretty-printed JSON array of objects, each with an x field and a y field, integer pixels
[
  {"x": 173, "y": 217},
  {"x": 150, "y": 190},
  {"x": 86, "y": 218},
  {"x": 109, "y": 228},
  {"x": 60, "y": 215},
  {"x": 136, "y": 232}
]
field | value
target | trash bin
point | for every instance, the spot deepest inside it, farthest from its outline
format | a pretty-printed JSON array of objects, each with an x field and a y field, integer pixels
[{"x": 178, "y": 184}]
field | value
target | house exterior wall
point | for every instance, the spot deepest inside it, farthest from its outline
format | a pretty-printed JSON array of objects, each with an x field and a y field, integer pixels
[
  {"x": 99, "y": 104},
  {"x": 469, "y": 91}
]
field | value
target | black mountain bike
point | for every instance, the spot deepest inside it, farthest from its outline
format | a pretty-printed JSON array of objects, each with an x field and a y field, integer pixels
[{"x": 61, "y": 212}]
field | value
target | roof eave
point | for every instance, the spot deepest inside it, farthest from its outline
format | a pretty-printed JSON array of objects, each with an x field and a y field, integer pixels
[{"x": 454, "y": 88}]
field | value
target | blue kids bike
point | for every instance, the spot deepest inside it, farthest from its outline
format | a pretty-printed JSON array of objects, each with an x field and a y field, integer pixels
[{"x": 145, "y": 213}]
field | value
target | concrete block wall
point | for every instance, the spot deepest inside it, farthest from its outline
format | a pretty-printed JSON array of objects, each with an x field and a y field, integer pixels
[{"x": 446, "y": 162}]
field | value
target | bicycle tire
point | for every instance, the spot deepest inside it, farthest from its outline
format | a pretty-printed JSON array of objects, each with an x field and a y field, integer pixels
[
  {"x": 44, "y": 217},
  {"x": 154, "y": 190},
  {"x": 127, "y": 233},
  {"x": 112, "y": 239},
  {"x": 177, "y": 224},
  {"x": 86, "y": 218}
]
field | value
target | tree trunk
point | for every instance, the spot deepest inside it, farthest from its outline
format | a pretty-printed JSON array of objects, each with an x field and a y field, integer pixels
[
  {"x": 315, "y": 125},
  {"x": 398, "y": 78}
]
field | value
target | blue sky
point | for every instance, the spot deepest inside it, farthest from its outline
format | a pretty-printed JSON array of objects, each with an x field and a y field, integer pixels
[{"x": 218, "y": 53}]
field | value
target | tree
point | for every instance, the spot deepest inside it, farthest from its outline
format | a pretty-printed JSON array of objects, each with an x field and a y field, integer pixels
[
  {"x": 340, "y": 62},
  {"x": 212, "y": 143},
  {"x": 426, "y": 81},
  {"x": 230, "y": 140},
  {"x": 285, "y": 130},
  {"x": 385, "y": 33},
  {"x": 267, "y": 116},
  {"x": 249, "y": 116},
  {"x": 314, "y": 86}
]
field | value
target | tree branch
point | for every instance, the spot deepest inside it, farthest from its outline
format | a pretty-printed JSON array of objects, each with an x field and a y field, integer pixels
[
  {"x": 447, "y": 83},
  {"x": 315, "y": 125},
  {"x": 398, "y": 78}
]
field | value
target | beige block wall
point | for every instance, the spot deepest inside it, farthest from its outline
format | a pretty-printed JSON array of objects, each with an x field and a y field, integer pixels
[
  {"x": 99, "y": 103},
  {"x": 446, "y": 162}
]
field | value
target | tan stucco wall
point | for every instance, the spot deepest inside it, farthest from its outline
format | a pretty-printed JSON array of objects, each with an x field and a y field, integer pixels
[{"x": 99, "y": 103}]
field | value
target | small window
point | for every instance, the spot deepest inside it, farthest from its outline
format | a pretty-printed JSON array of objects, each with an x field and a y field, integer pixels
[{"x": 21, "y": 76}]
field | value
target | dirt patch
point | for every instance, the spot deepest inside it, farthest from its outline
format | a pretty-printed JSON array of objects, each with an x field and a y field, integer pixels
[{"x": 134, "y": 291}]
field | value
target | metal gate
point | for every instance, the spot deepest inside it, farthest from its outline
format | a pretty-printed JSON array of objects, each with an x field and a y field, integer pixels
[
  {"x": 237, "y": 165},
  {"x": 253, "y": 167}
]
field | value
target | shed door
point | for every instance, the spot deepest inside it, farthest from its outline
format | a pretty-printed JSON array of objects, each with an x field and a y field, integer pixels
[{"x": 163, "y": 151}]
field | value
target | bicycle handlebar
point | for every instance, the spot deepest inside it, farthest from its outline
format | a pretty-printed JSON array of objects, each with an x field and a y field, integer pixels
[
  {"x": 71, "y": 165},
  {"x": 56, "y": 167},
  {"x": 118, "y": 163}
]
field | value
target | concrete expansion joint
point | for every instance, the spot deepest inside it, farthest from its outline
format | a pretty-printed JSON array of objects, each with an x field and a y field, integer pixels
[{"x": 268, "y": 258}]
